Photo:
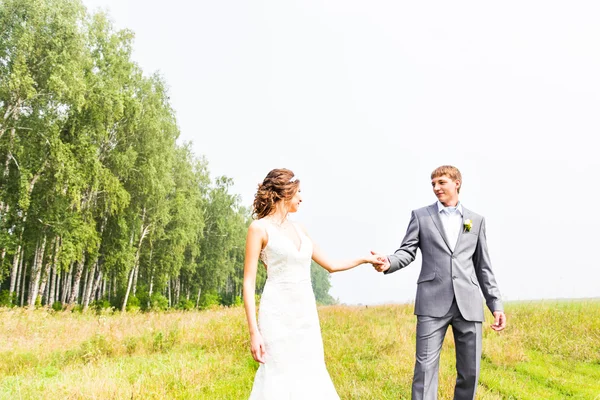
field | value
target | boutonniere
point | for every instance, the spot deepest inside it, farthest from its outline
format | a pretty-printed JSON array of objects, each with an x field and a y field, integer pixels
[{"x": 468, "y": 225}]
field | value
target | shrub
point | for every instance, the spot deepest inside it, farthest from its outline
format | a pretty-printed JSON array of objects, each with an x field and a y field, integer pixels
[
  {"x": 6, "y": 299},
  {"x": 100, "y": 305},
  {"x": 208, "y": 300},
  {"x": 158, "y": 302},
  {"x": 133, "y": 303},
  {"x": 77, "y": 308},
  {"x": 237, "y": 301},
  {"x": 185, "y": 304}
]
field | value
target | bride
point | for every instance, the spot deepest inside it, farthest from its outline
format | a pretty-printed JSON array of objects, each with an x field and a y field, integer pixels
[{"x": 286, "y": 341}]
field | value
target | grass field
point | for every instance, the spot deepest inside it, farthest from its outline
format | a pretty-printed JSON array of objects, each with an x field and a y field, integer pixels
[{"x": 550, "y": 350}]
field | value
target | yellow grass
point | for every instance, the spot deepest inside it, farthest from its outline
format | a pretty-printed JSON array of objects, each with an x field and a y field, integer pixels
[{"x": 551, "y": 350}]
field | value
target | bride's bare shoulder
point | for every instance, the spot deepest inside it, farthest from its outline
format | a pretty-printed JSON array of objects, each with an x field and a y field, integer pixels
[{"x": 258, "y": 226}]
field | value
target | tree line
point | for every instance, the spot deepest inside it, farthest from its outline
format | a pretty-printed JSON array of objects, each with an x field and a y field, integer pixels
[{"x": 99, "y": 204}]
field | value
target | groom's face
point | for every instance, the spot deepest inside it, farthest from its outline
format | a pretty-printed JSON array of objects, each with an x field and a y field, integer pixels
[{"x": 445, "y": 189}]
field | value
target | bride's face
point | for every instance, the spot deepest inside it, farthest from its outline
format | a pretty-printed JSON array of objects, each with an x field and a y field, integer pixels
[{"x": 294, "y": 203}]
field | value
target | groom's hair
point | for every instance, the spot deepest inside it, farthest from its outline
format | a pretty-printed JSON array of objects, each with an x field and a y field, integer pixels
[{"x": 450, "y": 171}]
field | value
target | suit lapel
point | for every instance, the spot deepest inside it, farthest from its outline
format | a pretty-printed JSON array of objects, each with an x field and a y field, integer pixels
[
  {"x": 435, "y": 216},
  {"x": 465, "y": 216}
]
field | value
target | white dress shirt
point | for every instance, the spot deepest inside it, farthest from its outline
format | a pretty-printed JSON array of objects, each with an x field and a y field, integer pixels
[{"x": 451, "y": 218}]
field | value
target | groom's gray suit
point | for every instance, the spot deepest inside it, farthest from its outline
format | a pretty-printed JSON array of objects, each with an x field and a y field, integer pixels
[{"x": 452, "y": 278}]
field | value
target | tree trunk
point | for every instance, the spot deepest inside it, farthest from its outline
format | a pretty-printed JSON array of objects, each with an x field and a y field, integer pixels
[
  {"x": 87, "y": 293},
  {"x": 177, "y": 289},
  {"x": 36, "y": 272},
  {"x": 47, "y": 291},
  {"x": 14, "y": 275},
  {"x": 169, "y": 292},
  {"x": 85, "y": 282},
  {"x": 135, "y": 278},
  {"x": 151, "y": 269},
  {"x": 151, "y": 285},
  {"x": 53, "y": 286},
  {"x": 16, "y": 271},
  {"x": 198, "y": 299},
  {"x": 66, "y": 283},
  {"x": 144, "y": 232},
  {"x": 103, "y": 288},
  {"x": 76, "y": 281},
  {"x": 24, "y": 277},
  {"x": 52, "y": 296},
  {"x": 69, "y": 282},
  {"x": 46, "y": 272},
  {"x": 32, "y": 272},
  {"x": 150, "y": 291},
  {"x": 129, "y": 283},
  {"x": 96, "y": 287}
]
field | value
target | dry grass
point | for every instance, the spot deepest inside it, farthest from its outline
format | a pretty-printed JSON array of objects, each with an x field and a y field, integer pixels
[{"x": 551, "y": 350}]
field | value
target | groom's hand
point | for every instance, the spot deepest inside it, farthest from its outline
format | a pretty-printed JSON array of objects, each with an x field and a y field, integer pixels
[
  {"x": 384, "y": 263},
  {"x": 499, "y": 321}
]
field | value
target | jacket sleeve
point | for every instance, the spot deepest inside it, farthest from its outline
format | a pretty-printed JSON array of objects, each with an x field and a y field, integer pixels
[
  {"x": 408, "y": 249},
  {"x": 485, "y": 275}
]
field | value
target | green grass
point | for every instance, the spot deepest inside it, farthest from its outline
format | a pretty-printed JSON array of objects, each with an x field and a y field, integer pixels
[{"x": 550, "y": 350}]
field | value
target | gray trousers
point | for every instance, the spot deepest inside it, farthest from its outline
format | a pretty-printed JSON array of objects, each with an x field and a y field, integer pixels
[{"x": 430, "y": 336}]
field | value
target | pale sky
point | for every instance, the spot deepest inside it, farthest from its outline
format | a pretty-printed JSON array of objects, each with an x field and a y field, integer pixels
[{"x": 363, "y": 99}]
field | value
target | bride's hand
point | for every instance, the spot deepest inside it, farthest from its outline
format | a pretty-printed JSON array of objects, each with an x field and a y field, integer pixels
[
  {"x": 382, "y": 264},
  {"x": 257, "y": 347},
  {"x": 374, "y": 259}
]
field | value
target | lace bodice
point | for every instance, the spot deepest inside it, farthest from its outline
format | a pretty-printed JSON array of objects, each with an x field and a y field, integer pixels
[{"x": 286, "y": 262}]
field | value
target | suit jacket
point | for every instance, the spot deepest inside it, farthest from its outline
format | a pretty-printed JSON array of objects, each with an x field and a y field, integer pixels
[{"x": 464, "y": 273}]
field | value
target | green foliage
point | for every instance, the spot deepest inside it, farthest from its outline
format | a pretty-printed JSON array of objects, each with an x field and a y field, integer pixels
[
  {"x": 164, "y": 342},
  {"x": 90, "y": 165},
  {"x": 100, "y": 305},
  {"x": 6, "y": 300},
  {"x": 57, "y": 306},
  {"x": 185, "y": 305},
  {"x": 209, "y": 300},
  {"x": 321, "y": 283},
  {"x": 133, "y": 304},
  {"x": 95, "y": 348},
  {"x": 77, "y": 309},
  {"x": 158, "y": 302}
]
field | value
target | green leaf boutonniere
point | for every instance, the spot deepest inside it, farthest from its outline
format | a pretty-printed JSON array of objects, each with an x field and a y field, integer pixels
[{"x": 468, "y": 225}]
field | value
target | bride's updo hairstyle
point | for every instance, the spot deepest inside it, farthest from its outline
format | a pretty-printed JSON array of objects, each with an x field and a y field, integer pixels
[{"x": 279, "y": 184}]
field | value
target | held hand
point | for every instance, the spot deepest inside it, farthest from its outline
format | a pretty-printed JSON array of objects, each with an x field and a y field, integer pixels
[
  {"x": 499, "y": 321},
  {"x": 257, "y": 347},
  {"x": 374, "y": 260},
  {"x": 383, "y": 264}
]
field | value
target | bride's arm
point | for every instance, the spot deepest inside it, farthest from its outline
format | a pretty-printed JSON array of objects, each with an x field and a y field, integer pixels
[
  {"x": 339, "y": 265},
  {"x": 254, "y": 243}
]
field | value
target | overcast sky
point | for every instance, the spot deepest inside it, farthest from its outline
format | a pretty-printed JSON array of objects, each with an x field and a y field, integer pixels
[{"x": 363, "y": 99}]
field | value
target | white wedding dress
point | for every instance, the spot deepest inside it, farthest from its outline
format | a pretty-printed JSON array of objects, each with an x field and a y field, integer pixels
[{"x": 294, "y": 367}]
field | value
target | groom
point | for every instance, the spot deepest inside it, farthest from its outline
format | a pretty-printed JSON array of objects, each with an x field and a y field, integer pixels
[{"x": 455, "y": 269}]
